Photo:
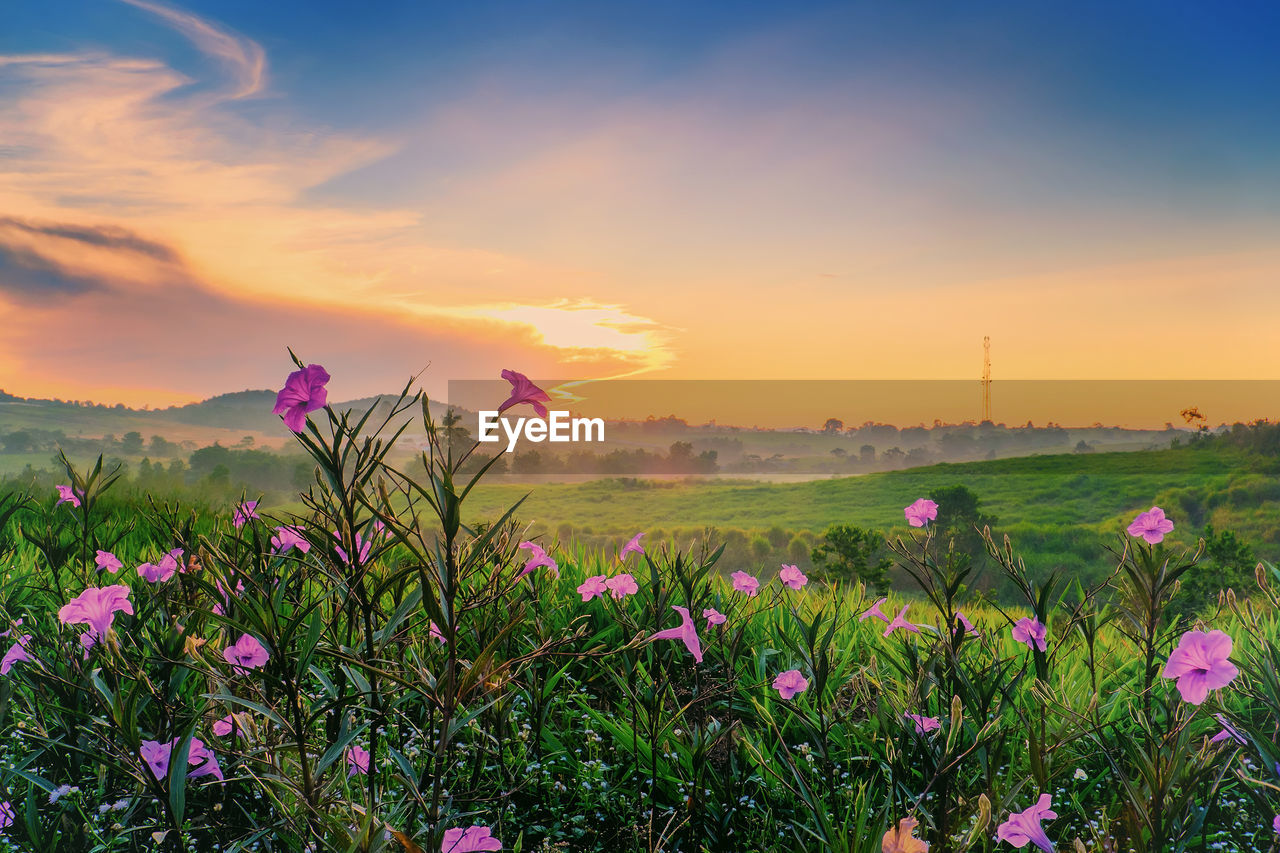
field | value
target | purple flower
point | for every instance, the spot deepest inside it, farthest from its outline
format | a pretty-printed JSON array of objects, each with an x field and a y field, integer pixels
[
  {"x": 1275, "y": 822},
  {"x": 792, "y": 577},
  {"x": 17, "y": 653},
  {"x": 538, "y": 557},
  {"x": 686, "y": 632},
  {"x": 159, "y": 572},
  {"x": 1032, "y": 632},
  {"x": 789, "y": 683},
  {"x": 1228, "y": 732},
  {"x": 632, "y": 547},
  {"x": 434, "y": 632},
  {"x": 245, "y": 654},
  {"x": 745, "y": 583},
  {"x": 874, "y": 611},
  {"x": 924, "y": 724},
  {"x": 7, "y": 816},
  {"x": 362, "y": 548},
  {"x": 900, "y": 621},
  {"x": 622, "y": 585},
  {"x": 1200, "y": 664},
  {"x": 524, "y": 391},
  {"x": 200, "y": 759},
  {"x": 921, "y": 512},
  {"x": 1024, "y": 827},
  {"x": 967, "y": 625},
  {"x": 303, "y": 392},
  {"x": 96, "y": 607},
  {"x": 714, "y": 617},
  {"x": 107, "y": 562},
  {"x": 473, "y": 839},
  {"x": 357, "y": 760},
  {"x": 228, "y": 725},
  {"x": 1151, "y": 526},
  {"x": 67, "y": 494},
  {"x": 156, "y": 754},
  {"x": 593, "y": 586},
  {"x": 244, "y": 513},
  {"x": 287, "y": 538}
]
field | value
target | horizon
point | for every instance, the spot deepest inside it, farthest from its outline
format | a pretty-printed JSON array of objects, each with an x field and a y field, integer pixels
[{"x": 638, "y": 190}]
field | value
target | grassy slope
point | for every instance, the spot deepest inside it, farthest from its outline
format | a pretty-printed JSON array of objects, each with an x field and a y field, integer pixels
[{"x": 1091, "y": 490}]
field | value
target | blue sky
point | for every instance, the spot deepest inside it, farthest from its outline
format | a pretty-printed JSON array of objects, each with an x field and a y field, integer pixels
[{"x": 613, "y": 187}]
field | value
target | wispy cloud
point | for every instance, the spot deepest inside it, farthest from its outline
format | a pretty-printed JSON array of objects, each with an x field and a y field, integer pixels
[{"x": 126, "y": 189}]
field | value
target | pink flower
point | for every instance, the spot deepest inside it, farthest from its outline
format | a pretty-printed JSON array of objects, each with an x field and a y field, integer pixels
[
  {"x": 1228, "y": 732},
  {"x": 362, "y": 548},
  {"x": 924, "y": 724},
  {"x": 1275, "y": 822},
  {"x": 200, "y": 759},
  {"x": 357, "y": 760},
  {"x": 287, "y": 538},
  {"x": 245, "y": 654},
  {"x": 96, "y": 607},
  {"x": 632, "y": 547},
  {"x": 789, "y": 683},
  {"x": 524, "y": 391},
  {"x": 67, "y": 494},
  {"x": 244, "y": 512},
  {"x": 159, "y": 572},
  {"x": 220, "y": 608},
  {"x": 107, "y": 562},
  {"x": 967, "y": 625},
  {"x": 1032, "y": 632},
  {"x": 792, "y": 577},
  {"x": 900, "y": 621},
  {"x": 7, "y": 816},
  {"x": 156, "y": 754},
  {"x": 1200, "y": 664},
  {"x": 1151, "y": 526},
  {"x": 1024, "y": 827},
  {"x": 621, "y": 585},
  {"x": 433, "y": 631},
  {"x": 714, "y": 617},
  {"x": 686, "y": 632},
  {"x": 743, "y": 582},
  {"x": 17, "y": 624},
  {"x": 593, "y": 586},
  {"x": 875, "y": 611},
  {"x": 17, "y": 653},
  {"x": 303, "y": 392},
  {"x": 473, "y": 839},
  {"x": 921, "y": 512},
  {"x": 228, "y": 725},
  {"x": 538, "y": 557}
]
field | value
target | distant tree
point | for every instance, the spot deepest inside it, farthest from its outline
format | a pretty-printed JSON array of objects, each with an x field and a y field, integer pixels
[
  {"x": 867, "y": 453},
  {"x": 162, "y": 447},
  {"x": 960, "y": 520},
  {"x": 131, "y": 444},
  {"x": 1228, "y": 564},
  {"x": 20, "y": 441},
  {"x": 853, "y": 553},
  {"x": 832, "y": 426},
  {"x": 839, "y": 452},
  {"x": 1082, "y": 446}
]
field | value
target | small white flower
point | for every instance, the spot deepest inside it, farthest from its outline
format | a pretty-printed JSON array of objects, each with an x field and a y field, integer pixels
[{"x": 1080, "y": 774}]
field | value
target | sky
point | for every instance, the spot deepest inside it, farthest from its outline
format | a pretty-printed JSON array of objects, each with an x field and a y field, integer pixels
[{"x": 802, "y": 190}]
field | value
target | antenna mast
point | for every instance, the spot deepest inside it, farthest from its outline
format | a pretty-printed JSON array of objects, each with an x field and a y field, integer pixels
[{"x": 986, "y": 378}]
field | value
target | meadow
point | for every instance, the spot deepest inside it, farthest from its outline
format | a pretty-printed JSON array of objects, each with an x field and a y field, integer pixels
[{"x": 397, "y": 661}]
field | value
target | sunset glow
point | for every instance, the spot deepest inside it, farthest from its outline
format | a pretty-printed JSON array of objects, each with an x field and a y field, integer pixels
[{"x": 803, "y": 191}]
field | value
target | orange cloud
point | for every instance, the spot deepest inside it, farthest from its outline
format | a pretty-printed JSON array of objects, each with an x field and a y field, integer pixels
[{"x": 140, "y": 203}]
